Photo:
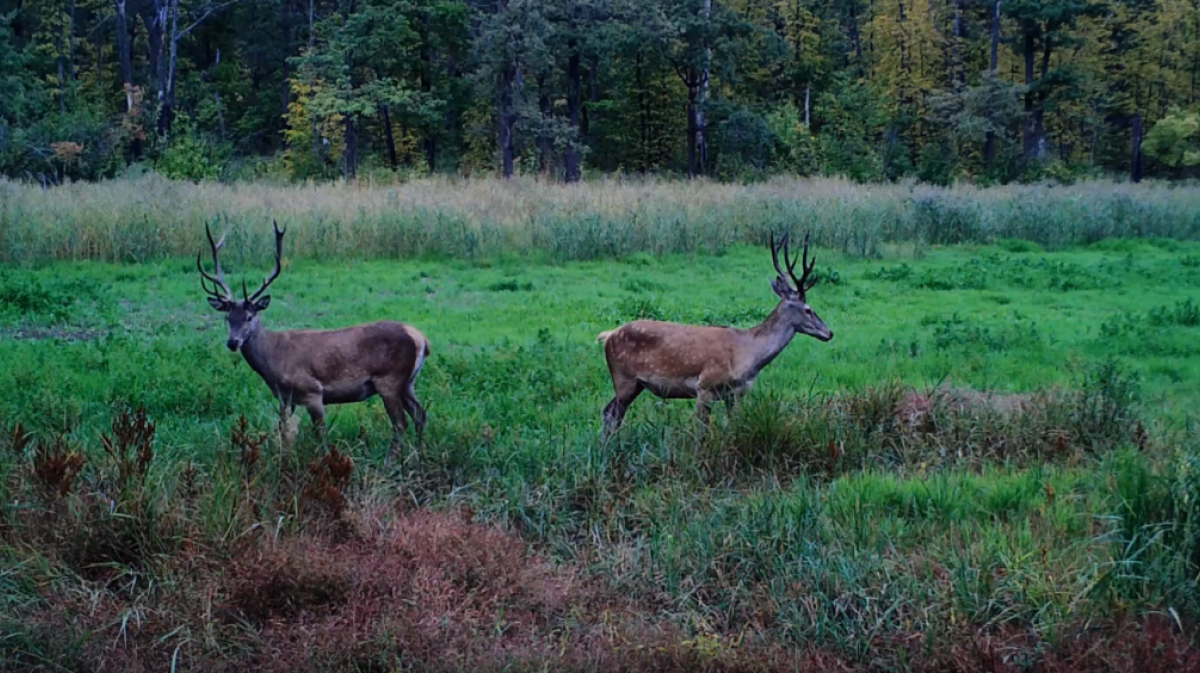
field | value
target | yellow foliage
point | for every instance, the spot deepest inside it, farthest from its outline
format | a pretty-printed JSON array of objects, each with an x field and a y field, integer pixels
[{"x": 298, "y": 135}]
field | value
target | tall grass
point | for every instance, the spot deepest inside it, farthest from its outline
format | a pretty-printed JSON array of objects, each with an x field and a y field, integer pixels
[{"x": 151, "y": 217}]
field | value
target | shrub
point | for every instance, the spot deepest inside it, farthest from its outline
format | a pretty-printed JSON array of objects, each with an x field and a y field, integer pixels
[{"x": 190, "y": 154}]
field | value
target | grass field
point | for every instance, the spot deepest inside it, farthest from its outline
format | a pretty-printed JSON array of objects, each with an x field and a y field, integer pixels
[{"x": 817, "y": 528}]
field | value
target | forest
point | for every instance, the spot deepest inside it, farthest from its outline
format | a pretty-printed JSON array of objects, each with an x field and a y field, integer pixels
[{"x": 984, "y": 91}]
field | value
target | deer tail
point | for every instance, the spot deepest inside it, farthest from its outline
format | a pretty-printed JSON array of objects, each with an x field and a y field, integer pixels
[{"x": 603, "y": 336}]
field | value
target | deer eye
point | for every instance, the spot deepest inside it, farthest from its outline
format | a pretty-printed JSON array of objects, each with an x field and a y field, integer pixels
[{"x": 808, "y": 310}]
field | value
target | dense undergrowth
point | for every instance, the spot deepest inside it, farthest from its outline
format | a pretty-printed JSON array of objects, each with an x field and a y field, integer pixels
[
  {"x": 299, "y": 557},
  {"x": 993, "y": 466}
]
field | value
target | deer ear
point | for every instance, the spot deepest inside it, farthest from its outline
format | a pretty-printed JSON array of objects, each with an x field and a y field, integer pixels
[
  {"x": 782, "y": 288},
  {"x": 219, "y": 304},
  {"x": 262, "y": 303}
]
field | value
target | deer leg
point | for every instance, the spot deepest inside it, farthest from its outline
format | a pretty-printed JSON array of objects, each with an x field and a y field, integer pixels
[
  {"x": 392, "y": 403},
  {"x": 625, "y": 392},
  {"x": 733, "y": 398},
  {"x": 703, "y": 405},
  {"x": 316, "y": 411},
  {"x": 408, "y": 398},
  {"x": 731, "y": 401}
]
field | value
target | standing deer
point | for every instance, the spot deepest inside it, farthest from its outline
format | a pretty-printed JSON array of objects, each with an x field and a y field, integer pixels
[
  {"x": 314, "y": 368},
  {"x": 676, "y": 361}
]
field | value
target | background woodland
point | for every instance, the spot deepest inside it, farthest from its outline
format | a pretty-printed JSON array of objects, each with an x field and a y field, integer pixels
[{"x": 938, "y": 90}]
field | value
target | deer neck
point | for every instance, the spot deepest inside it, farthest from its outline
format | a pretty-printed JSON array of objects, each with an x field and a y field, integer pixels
[
  {"x": 258, "y": 350},
  {"x": 769, "y": 338}
]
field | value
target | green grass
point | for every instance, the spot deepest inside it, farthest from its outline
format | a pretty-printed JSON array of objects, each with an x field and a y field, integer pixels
[
  {"x": 754, "y": 527},
  {"x": 513, "y": 342}
]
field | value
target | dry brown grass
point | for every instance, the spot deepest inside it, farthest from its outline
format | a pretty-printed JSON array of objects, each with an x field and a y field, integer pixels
[{"x": 151, "y": 217}]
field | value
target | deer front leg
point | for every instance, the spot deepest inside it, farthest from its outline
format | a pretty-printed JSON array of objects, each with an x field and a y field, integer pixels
[
  {"x": 316, "y": 411},
  {"x": 625, "y": 392},
  {"x": 734, "y": 397}
]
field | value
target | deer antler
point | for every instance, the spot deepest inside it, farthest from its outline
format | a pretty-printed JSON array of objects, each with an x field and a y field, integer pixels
[
  {"x": 775, "y": 247},
  {"x": 803, "y": 285},
  {"x": 219, "y": 290},
  {"x": 274, "y": 272}
]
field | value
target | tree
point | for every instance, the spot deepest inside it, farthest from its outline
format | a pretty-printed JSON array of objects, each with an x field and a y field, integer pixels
[
  {"x": 1174, "y": 141},
  {"x": 1042, "y": 27}
]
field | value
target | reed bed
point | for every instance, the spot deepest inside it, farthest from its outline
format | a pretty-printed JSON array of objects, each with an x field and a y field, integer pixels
[{"x": 149, "y": 217}]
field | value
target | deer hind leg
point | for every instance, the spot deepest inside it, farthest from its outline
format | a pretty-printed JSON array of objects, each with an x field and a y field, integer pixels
[
  {"x": 625, "y": 391},
  {"x": 394, "y": 405},
  {"x": 704, "y": 399},
  {"x": 408, "y": 399}
]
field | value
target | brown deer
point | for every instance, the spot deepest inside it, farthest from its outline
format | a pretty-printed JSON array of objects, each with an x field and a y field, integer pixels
[
  {"x": 676, "y": 361},
  {"x": 315, "y": 368}
]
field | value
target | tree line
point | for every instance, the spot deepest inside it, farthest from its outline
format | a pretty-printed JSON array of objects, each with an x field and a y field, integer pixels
[{"x": 940, "y": 90}]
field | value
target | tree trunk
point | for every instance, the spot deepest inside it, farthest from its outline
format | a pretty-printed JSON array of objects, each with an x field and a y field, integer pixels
[
  {"x": 430, "y": 138},
  {"x": 62, "y": 75},
  {"x": 388, "y": 137},
  {"x": 959, "y": 33},
  {"x": 217, "y": 98},
  {"x": 693, "y": 126},
  {"x": 154, "y": 18},
  {"x": 588, "y": 120},
  {"x": 99, "y": 61},
  {"x": 505, "y": 120},
  {"x": 1028, "y": 146},
  {"x": 807, "y": 106},
  {"x": 702, "y": 99},
  {"x": 285, "y": 24},
  {"x": 123, "y": 55},
  {"x": 643, "y": 114},
  {"x": 855, "y": 37},
  {"x": 506, "y": 109},
  {"x": 545, "y": 143},
  {"x": 1135, "y": 148},
  {"x": 317, "y": 141},
  {"x": 1039, "y": 126},
  {"x": 351, "y": 148},
  {"x": 571, "y": 169},
  {"x": 166, "y": 113},
  {"x": 71, "y": 44},
  {"x": 989, "y": 145}
]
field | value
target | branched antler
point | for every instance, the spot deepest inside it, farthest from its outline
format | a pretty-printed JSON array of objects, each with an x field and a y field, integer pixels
[
  {"x": 802, "y": 284},
  {"x": 219, "y": 290},
  {"x": 274, "y": 272}
]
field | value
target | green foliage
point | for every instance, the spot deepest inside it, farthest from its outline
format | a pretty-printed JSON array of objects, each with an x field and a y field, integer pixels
[
  {"x": 895, "y": 91},
  {"x": 1175, "y": 140},
  {"x": 745, "y": 142},
  {"x": 935, "y": 416},
  {"x": 191, "y": 155},
  {"x": 796, "y": 150}
]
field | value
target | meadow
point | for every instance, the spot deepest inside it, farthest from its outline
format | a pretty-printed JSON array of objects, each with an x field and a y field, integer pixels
[{"x": 992, "y": 466}]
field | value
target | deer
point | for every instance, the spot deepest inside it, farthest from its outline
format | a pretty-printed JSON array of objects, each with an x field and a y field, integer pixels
[
  {"x": 675, "y": 361},
  {"x": 317, "y": 368}
]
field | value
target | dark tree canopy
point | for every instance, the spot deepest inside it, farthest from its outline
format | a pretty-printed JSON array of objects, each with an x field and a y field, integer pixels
[{"x": 939, "y": 90}]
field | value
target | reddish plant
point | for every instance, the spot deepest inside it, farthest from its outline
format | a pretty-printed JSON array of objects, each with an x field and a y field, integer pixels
[{"x": 55, "y": 465}]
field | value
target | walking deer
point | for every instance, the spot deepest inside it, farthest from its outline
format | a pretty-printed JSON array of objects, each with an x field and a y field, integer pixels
[
  {"x": 676, "y": 361},
  {"x": 315, "y": 368}
]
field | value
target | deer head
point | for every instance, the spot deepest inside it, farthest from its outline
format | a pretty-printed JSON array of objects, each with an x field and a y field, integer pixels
[
  {"x": 241, "y": 314},
  {"x": 792, "y": 299}
]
